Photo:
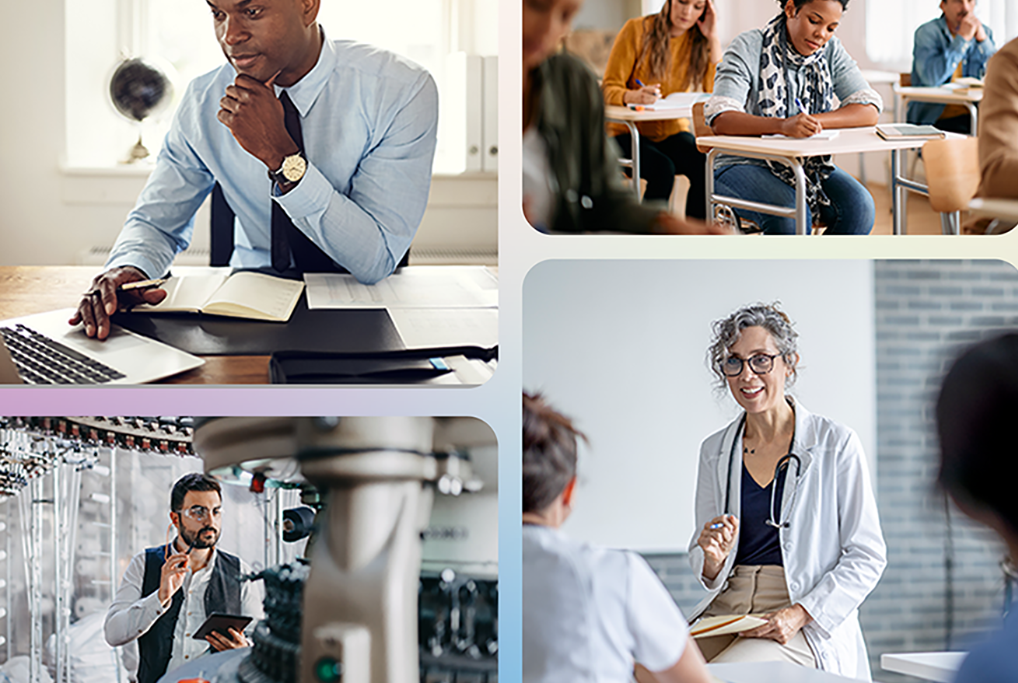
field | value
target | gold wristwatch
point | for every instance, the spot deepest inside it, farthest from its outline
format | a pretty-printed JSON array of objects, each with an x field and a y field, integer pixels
[{"x": 293, "y": 169}]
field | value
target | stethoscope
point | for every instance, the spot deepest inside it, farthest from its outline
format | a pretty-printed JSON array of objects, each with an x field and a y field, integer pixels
[{"x": 783, "y": 462}]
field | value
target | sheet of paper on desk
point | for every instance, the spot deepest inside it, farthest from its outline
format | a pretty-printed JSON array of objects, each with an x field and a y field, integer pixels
[
  {"x": 422, "y": 328},
  {"x": 822, "y": 135},
  {"x": 411, "y": 287},
  {"x": 678, "y": 100}
]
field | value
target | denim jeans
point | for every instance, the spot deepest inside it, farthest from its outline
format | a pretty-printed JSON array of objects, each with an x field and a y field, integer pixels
[
  {"x": 851, "y": 211},
  {"x": 661, "y": 161}
]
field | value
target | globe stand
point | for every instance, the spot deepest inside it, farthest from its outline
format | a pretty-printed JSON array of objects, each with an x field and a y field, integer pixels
[{"x": 137, "y": 153}]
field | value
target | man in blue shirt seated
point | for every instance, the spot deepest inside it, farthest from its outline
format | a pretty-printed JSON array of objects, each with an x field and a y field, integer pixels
[
  {"x": 955, "y": 45},
  {"x": 323, "y": 150}
]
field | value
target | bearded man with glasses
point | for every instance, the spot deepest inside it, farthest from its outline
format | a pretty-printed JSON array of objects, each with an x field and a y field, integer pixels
[{"x": 168, "y": 591}]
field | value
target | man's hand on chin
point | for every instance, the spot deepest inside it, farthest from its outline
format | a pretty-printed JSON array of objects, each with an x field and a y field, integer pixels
[{"x": 253, "y": 113}]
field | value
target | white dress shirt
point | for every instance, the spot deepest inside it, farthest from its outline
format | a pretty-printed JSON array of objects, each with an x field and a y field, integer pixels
[
  {"x": 590, "y": 612},
  {"x": 131, "y": 616}
]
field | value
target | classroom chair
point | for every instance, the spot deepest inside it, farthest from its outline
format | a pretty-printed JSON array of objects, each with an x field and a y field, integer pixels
[
  {"x": 722, "y": 213},
  {"x": 952, "y": 174}
]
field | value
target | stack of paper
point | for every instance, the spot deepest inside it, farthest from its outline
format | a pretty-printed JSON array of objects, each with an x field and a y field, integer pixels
[{"x": 429, "y": 305}]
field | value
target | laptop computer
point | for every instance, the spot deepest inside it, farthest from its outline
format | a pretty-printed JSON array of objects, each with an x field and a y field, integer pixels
[{"x": 44, "y": 349}]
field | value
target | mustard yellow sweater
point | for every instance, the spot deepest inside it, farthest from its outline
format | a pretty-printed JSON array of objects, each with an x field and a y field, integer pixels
[{"x": 623, "y": 70}]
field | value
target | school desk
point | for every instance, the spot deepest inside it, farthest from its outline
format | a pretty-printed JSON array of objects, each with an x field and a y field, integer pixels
[
  {"x": 941, "y": 95},
  {"x": 25, "y": 290},
  {"x": 929, "y": 666},
  {"x": 630, "y": 118},
  {"x": 793, "y": 152}
]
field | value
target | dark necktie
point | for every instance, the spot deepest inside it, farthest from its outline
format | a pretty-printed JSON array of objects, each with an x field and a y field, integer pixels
[{"x": 286, "y": 238}]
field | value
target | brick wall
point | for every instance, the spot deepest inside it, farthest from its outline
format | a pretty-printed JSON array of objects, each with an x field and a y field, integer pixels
[{"x": 926, "y": 312}]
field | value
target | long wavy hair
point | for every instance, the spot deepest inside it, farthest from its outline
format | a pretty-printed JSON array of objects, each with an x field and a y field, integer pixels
[{"x": 656, "y": 50}]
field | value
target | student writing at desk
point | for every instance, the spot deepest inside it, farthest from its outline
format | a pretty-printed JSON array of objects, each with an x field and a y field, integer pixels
[
  {"x": 588, "y": 612},
  {"x": 782, "y": 79},
  {"x": 954, "y": 45},
  {"x": 674, "y": 50},
  {"x": 323, "y": 150}
]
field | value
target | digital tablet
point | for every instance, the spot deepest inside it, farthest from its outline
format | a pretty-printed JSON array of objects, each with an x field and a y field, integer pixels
[{"x": 221, "y": 623}]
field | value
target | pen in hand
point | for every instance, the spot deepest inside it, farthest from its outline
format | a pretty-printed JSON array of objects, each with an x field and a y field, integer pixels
[
  {"x": 802, "y": 109},
  {"x": 142, "y": 284}
]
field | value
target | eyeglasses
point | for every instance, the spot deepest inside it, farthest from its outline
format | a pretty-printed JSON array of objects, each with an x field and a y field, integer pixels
[
  {"x": 760, "y": 364},
  {"x": 200, "y": 513}
]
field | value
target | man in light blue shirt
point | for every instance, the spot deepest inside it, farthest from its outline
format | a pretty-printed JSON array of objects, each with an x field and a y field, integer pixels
[
  {"x": 355, "y": 186},
  {"x": 956, "y": 44}
]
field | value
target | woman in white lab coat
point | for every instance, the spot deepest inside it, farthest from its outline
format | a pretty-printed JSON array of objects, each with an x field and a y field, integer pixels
[{"x": 787, "y": 520}]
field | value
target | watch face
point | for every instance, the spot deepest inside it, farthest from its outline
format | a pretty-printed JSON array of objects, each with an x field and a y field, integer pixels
[{"x": 294, "y": 167}]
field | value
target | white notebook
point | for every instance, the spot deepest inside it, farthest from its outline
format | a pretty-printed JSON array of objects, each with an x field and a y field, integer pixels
[
  {"x": 724, "y": 624},
  {"x": 255, "y": 296}
]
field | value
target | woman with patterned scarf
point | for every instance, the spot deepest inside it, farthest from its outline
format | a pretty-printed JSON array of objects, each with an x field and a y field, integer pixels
[{"x": 783, "y": 79}]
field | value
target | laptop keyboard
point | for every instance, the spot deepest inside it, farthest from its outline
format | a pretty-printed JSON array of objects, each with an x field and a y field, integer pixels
[{"x": 41, "y": 360}]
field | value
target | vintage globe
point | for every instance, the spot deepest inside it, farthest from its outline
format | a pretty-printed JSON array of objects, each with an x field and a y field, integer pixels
[{"x": 138, "y": 89}]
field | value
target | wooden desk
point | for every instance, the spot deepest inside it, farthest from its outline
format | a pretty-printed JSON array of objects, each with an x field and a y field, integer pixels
[
  {"x": 929, "y": 666},
  {"x": 792, "y": 153},
  {"x": 25, "y": 290},
  {"x": 630, "y": 118},
  {"x": 941, "y": 95}
]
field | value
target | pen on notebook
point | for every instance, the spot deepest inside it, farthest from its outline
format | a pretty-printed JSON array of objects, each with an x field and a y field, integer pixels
[{"x": 142, "y": 284}]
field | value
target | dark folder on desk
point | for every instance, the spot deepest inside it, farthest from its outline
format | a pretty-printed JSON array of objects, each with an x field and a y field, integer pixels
[{"x": 320, "y": 330}]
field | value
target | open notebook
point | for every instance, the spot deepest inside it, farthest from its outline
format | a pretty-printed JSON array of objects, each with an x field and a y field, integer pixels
[
  {"x": 724, "y": 624},
  {"x": 255, "y": 296}
]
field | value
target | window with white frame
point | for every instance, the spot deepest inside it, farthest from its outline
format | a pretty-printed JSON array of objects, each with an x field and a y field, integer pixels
[
  {"x": 179, "y": 33},
  {"x": 890, "y": 26}
]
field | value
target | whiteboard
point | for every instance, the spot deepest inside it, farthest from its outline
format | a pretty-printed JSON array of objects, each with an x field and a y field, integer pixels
[{"x": 620, "y": 346}]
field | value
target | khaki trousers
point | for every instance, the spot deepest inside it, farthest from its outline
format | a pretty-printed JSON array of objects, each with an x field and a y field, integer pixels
[{"x": 755, "y": 589}]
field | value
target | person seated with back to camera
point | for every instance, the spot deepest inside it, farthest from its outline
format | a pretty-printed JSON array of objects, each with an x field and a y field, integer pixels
[
  {"x": 589, "y": 613},
  {"x": 782, "y": 79},
  {"x": 954, "y": 45},
  {"x": 571, "y": 176},
  {"x": 673, "y": 51},
  {"x": 977, "y": 401}
]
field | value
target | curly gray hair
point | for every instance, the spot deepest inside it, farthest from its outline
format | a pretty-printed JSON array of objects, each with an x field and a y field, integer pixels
[{"x": 727, "y": 331}]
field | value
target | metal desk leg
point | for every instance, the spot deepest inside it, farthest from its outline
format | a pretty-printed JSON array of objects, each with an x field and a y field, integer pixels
[
  {"x": 634, "y": 137},
  {"x": 801, "y": 227},
  {"x": 973, "y": 117},
  {"x": 898, "y": 205},
  {"x": 712, "y": 155},
  {"x": 950, "y": 223}
]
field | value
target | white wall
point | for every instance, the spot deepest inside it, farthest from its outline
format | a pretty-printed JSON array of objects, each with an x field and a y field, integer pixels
[
  {"x": 48, "y": 216},
  {"x": 620, "y": 347}
]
